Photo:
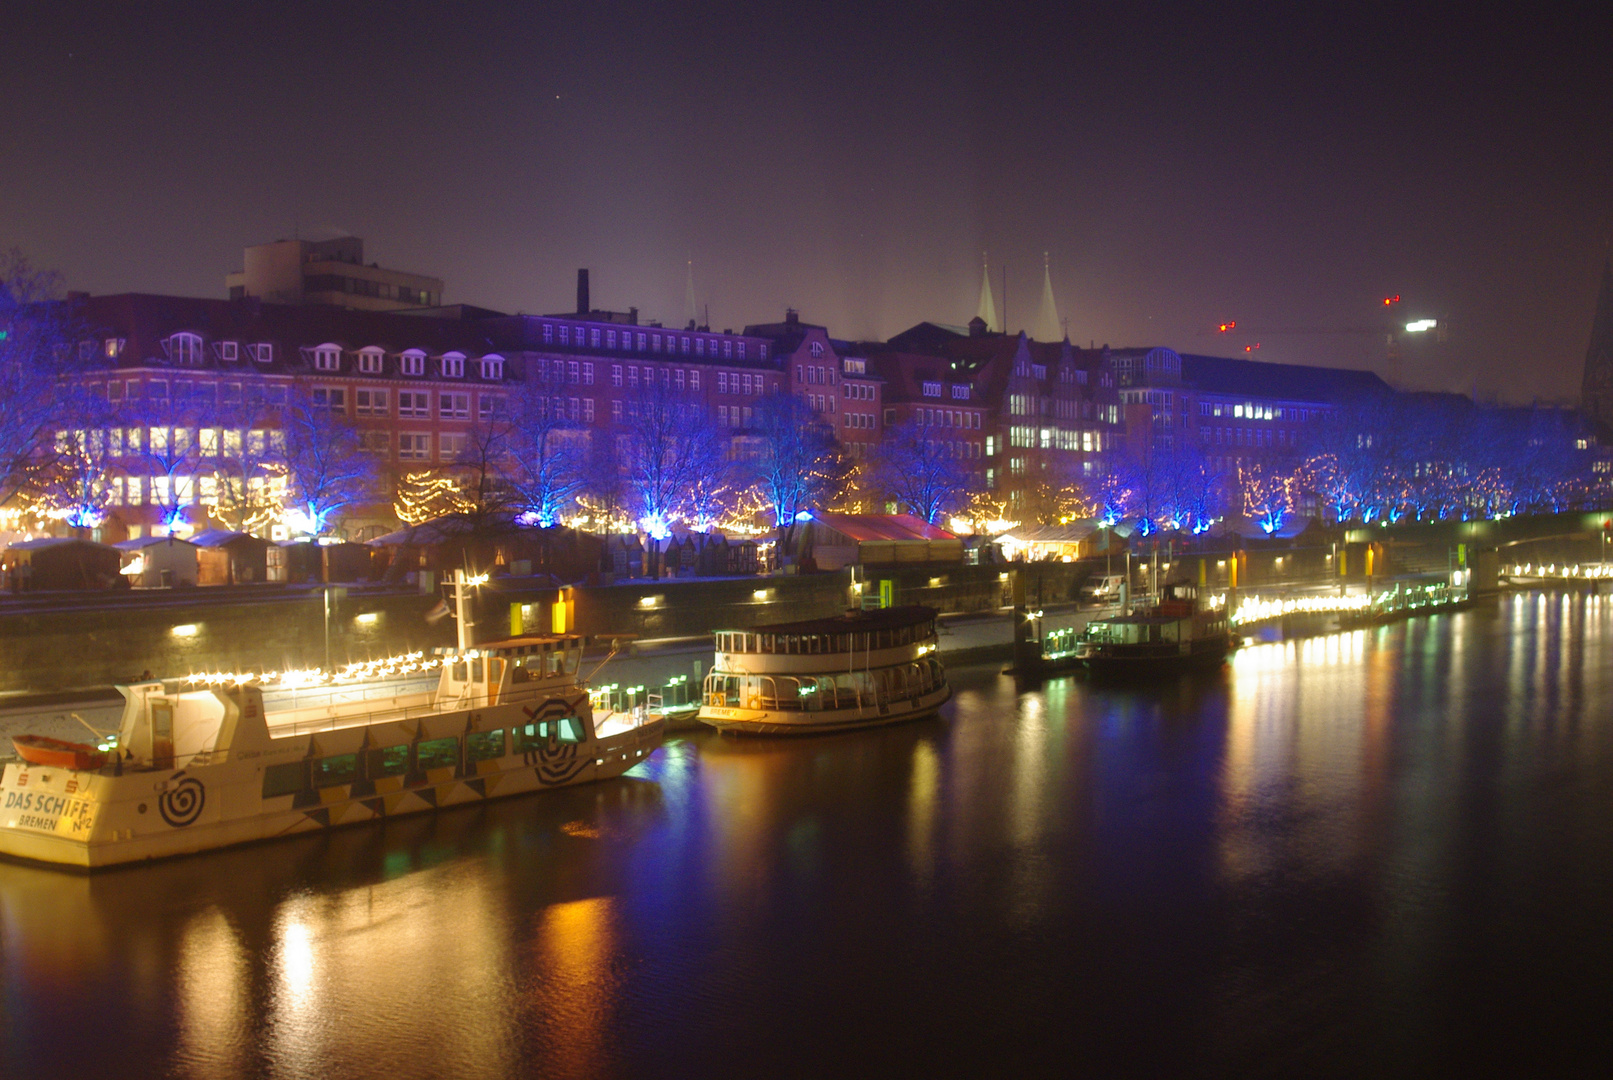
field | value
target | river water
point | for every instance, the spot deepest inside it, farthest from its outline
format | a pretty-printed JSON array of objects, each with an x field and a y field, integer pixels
[{"x": 1388, "y": 851}]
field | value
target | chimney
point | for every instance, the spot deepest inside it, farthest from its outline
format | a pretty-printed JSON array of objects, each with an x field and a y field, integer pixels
[
  {"x": 632, "y": 316},
  {"x": 583, "y": 307},
  {"x": 791, "y": 317}
]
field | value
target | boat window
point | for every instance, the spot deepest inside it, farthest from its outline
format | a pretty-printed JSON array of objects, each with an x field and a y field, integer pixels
[
  {"x": 456, "y": 671},
  {"x": 338, "y": 769},
  {"x": 287, "y": 779},
  {"x": 388, "y": 761},
  {"x": 484, "y": 745},
  {"x": 519, "y": 673},
  {"x": 530, "y": 737},
  {"x": 437, "y": 754},
  {"x": 476, "y": 670},
  {"x": 570, "y": 730}
]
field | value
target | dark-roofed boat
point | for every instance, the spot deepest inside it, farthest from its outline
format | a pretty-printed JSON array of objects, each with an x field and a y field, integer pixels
[
  {"x": 852, "y": 671},
  {"x": 1178, "y": 632}
]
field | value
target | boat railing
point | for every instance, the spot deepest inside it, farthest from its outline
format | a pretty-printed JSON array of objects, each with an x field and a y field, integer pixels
[{"x": 333, "y": 719}]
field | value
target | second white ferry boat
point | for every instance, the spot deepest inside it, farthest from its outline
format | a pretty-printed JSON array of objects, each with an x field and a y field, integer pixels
[{"x": 852, "y": 671}]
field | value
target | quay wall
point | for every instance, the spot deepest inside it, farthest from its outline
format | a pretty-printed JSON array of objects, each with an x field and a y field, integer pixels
[{"x": 57, "y": 642}]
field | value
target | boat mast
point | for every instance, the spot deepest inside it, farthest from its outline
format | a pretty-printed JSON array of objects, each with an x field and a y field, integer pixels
[{"x": 463, "y": 582}]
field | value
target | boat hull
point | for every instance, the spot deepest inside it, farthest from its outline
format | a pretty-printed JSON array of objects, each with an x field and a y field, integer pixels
[
  {"x": 1150, "y": 660},
  {"x": 98, "y": 819},
  {"x": 818, "y": 722}
]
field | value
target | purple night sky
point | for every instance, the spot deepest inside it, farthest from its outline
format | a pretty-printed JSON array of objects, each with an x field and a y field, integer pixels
[{"x": 1182, "y": 167}]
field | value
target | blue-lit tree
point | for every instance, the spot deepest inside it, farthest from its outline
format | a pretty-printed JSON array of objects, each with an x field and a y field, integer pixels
[
  {"x": 667, "y": 449},
  {"x": 548, "y": 452},
  {"x": 920, "y": 469},
  {"x": 326, "y": 467},
  {"x": 796, "y": 464},
  {"x": 39, "y": 352}
]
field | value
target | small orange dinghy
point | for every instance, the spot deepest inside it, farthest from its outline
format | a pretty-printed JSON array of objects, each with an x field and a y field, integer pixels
[{"x": 43, "y": 750}]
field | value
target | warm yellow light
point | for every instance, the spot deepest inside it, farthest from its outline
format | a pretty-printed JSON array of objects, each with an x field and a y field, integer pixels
[{"x": 185, "y": 630}]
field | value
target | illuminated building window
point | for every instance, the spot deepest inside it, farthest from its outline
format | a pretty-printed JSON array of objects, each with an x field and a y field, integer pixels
[
  {"x": 641, "y": 342},
  {"x": 685, "y": 346},
  {"x": 727, "y": 350},
  {"x": 593, "y": 337},
  {"x": 370, "y": 360},
  {"x": 548, "y": 333},
  {"x": 565, "y": 336},
  {"x": 655, "y": 342},
  {"x": 185, "y": 349},
  {"x": 678, "y": 380},
  {"x": 492, "y": 367},
  {"x": 610, "y": 339}
]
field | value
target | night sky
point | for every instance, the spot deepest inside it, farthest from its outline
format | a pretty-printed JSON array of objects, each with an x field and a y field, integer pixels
[{"x": 1182, "y": 167}]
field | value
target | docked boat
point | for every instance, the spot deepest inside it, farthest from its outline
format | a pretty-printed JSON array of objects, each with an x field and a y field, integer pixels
[
  {"x": 852, "y": 671},
  {"x": 212, "y": 761},
  {"x": 1178, "y": 631}
]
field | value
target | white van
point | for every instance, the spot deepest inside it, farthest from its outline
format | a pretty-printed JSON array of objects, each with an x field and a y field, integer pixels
[{"x": 1103, "y": 589}]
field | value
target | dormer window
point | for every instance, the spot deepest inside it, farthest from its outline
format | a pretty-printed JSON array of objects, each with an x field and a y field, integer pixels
[
  {"x": 493, "y": 368},
  {"x": 263, "y": 352},
  {"x": 370, "y": 360},
  {"x": 327, "y": 357},
  {"x": 932, "y": 389},
  {"x": 185, "y": 348},
  {"x": 228, "y": 351},
  {"x": 817, "y": 348},
  {"x": 453, "y": 365},
  {"x": 412, "y": 362}
]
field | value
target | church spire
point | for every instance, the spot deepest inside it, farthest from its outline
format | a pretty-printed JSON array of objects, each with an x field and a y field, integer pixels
[
  {"x": 1048, "y": 327},
  {"x": 988, "y": 305},
  {"x": 1596, "y": 387}
]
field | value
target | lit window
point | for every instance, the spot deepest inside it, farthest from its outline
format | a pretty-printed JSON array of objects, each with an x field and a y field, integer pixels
[{"x": 593, "y": 338}]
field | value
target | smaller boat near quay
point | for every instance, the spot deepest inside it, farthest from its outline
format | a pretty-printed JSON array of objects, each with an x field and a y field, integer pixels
[
  {"x": 1176, "y": 632},
  {"x": 209, "y": 761},
  {"x": 851, "y": 671}
]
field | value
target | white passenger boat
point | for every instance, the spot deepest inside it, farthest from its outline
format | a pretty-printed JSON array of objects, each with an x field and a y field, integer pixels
[
  {"x": 856, "y": 670},
  {"x": 205, "y": 763}
]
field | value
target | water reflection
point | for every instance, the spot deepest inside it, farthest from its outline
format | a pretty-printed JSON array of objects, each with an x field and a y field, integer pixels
[{"x": 1344, "y": 842}]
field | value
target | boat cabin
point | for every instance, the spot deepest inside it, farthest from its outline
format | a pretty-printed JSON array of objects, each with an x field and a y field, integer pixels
[{"x": 495, "y": 670}]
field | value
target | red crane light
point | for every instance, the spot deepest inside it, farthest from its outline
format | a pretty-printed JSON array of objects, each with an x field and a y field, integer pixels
[
  {"x": 1395, "y": 299},
  {"x": 1228, "y": 326}
]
